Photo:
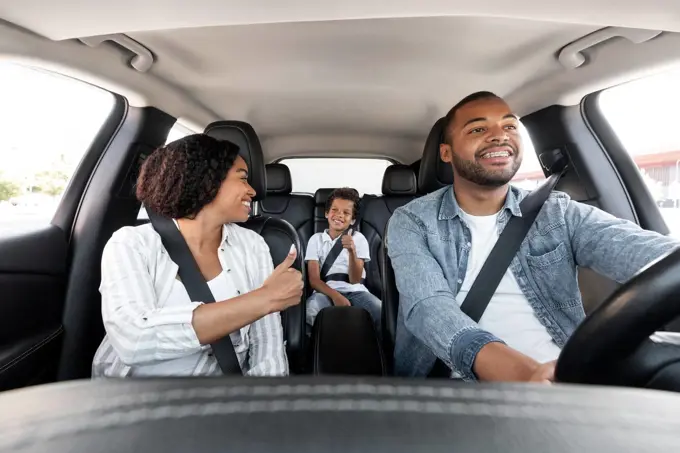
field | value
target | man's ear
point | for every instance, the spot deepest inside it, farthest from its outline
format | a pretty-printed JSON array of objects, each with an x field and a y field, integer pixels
[
  {"x": 352, "y": 222},
  {"x": 445, "y": 152}
]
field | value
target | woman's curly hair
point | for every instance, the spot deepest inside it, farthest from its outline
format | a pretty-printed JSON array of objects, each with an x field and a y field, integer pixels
[
  {"x": 345, "y": 193},
  {"x": 180, "y": 178}
]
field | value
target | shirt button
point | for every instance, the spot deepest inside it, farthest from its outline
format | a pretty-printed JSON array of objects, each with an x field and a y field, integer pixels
[
  {"x": 238, "y": 292},
  {"x": 228, "y": 270},
  {"x": 460, "y": 281},
  {"x": 469, "y": 244}
]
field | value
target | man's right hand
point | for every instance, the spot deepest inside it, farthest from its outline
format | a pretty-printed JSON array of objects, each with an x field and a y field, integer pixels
[
  {"x": 545, "y": 373},
  {"x": 285, "y": 285},
  {"x": 341, "y": 301},
  {"x": 498, "y": 362}
]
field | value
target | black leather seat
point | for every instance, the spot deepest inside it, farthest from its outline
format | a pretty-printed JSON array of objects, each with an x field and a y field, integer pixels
[
  {"x": 278, "y": 233},
  {"x": 345, "y": 342},
  {"x": 399, "y": 188},
  {"x": 433, "y": 175},
  {"x": 280, "y": 203},
  {"x": 320, "y": 198}
]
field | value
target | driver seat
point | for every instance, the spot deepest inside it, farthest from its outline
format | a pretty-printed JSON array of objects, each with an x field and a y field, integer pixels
[{"x": 433, "y": 175}]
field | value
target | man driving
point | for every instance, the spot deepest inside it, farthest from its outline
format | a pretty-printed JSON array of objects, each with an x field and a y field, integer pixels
[{"x": 439, "y": 243}]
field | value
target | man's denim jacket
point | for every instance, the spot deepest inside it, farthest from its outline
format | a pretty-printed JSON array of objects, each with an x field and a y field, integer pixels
[{"x": 429, "y": 244}]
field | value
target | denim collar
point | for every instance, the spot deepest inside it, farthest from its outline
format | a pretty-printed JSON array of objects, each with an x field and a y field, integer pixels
[{"x": 449, "y": 208}]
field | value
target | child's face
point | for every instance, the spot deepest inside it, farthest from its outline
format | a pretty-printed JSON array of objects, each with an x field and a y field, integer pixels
[{"x": 340, "y": 215}]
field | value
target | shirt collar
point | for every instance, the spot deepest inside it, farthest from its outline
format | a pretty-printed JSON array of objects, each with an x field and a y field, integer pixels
[
  {"x": 225, "y": 234},
  {"x": 449, "y": 208},
  {"x": 327, "y": 237}
]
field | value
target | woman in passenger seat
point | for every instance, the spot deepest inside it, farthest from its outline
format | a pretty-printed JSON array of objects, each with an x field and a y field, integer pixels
[{"x": 152, "y": 326}]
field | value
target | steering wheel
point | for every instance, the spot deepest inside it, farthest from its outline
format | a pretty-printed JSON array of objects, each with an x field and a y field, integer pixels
[{"x": 612, "y": 346}]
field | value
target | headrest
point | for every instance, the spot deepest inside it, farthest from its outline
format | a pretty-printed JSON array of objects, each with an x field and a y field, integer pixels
[
  {"x": 321, "y": 195},
  {"x": 243, "y": 135},
  {"x": 434, "y": 172},
  {"x": 278, "y": 179},
  {"x": 399, "y": 180}
]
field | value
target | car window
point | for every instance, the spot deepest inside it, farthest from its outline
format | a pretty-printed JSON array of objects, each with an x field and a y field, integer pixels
[
  {"x": 310, "y": 174},
  {"x": 643, "y": 114},
  {"x": 47, "y": 123},
  {"x": 530, "y": 173},
  {"x": 178, "y": 131}
]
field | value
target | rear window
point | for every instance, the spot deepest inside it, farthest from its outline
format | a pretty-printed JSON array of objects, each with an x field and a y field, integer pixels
[{"x": 310, "y": 174}]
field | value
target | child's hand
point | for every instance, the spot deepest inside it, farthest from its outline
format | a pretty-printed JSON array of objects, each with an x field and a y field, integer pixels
[
  {"x": 348, "y": 242},
  {"x": 341, "y": 301}
]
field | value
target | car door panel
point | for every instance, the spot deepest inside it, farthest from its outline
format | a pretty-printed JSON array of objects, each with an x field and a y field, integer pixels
[
  {"x": 32, "y": 287},
  {"x": 31, "y": 360}
]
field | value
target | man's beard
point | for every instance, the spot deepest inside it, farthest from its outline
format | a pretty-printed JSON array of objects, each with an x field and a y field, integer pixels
[{"x": 475, "y": 172}]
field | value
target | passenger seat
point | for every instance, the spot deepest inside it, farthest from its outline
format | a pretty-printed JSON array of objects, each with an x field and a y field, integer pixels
[
  {"x": 278, "y": 234},
  {"x": 281, "y": 203},
  {"x": 399, "y": 188}
]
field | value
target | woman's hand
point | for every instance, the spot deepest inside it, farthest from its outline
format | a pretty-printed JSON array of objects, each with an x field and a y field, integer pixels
[{"x": 284, "y": 286}]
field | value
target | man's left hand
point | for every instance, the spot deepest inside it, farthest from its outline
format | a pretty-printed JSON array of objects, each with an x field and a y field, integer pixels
[{"x": 348, "y": 242}]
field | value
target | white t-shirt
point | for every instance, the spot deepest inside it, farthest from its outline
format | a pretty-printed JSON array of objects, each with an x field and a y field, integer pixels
[
  {"x": 509, "y": 315},
  {"x": 222, "y": 287},
  {"x": 320, "y": 246}
]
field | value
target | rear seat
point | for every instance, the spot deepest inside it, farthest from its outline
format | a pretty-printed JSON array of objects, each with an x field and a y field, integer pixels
[
  {"x": 320, "y": 198},
  {"x": 399, "y": 188},
  {"x": 356, "y": 353},
  {"x": 280, "y": 203}
]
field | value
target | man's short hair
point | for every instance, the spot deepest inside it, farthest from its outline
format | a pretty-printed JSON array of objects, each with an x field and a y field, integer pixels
[
  {"x": 479, "y": 95},
  {"x": 345, "y": 193}
]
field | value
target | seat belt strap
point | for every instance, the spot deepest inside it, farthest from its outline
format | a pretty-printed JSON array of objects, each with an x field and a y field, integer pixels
[
  {"x": 195, "y": 284},
  {"x": 332, "y": 256},
  {"x": 340, "y": 278},
  {"x": 509, "y": 241}
]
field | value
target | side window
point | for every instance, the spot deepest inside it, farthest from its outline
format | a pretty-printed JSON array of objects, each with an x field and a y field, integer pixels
[
  {"x": 178, "y": 131},
  {"x": 644, "y": 116},
  {"x": 47, "y": 123},
  {"x": 310, "y": 174},
  {"x": 530, "y": 173}
]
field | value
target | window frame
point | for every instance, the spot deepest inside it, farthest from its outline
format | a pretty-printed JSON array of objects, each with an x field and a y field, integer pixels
[{"x": 630, "y": 177}]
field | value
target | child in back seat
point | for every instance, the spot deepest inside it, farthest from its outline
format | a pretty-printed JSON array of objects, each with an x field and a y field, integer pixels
[{"x": 342, "y": 281}]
